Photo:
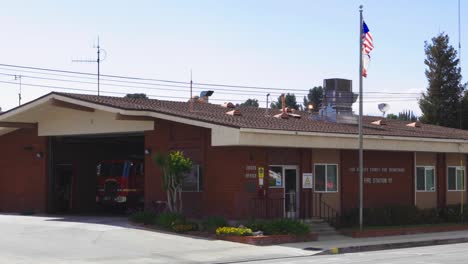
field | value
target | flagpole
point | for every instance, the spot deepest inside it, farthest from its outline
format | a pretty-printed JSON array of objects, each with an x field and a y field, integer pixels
[{"x": 361, "y": 169}]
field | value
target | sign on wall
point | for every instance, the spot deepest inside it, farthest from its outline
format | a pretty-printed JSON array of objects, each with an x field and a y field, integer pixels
[
  {"x": 261, "y": 175},
  {"x": 250, "y": 172},
  {"x": 307, "y": 180}
]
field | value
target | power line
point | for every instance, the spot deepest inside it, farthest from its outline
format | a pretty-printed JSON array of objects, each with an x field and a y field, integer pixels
[
  {"x": 177, "y": 82},
  {"x": 158, "y": 87},
  {"x": 152, "y": 95}
]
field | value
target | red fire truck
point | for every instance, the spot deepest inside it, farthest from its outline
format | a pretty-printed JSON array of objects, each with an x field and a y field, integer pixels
[{"x": 120, "y": 183}]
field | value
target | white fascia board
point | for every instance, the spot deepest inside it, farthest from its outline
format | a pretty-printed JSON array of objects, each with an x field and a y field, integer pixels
[
  {"x": 224, "y": 134},
  {"x": 275, "y": 138},
  {"x": 25, "y": 107},
  {"x": 338, "y": 135},
  {"x": 111, "y": 109}
]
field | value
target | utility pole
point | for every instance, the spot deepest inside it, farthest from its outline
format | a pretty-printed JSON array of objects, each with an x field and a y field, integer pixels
[
  {"x": 98, "y": 61},
  {"x": 18, "y": 78},
  {"x": 462, "y": 199}
]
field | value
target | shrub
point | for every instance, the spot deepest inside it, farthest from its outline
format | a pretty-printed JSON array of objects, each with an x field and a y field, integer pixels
[
  {"x": 180, "y": 228},
  {"x": 212, "y": 223},
  {"x": 401, "y": 215},
  {"x": 233, "y": 231},
  {"x": 167, "y": 220},
  {"x": 143, "y": 217},
  {"x": 280, "y": 227},
  {"x": 452, "y": 213}
]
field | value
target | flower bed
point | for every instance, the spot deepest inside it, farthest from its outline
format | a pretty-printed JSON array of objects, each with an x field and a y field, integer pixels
[
  {"x": 397, "y": 231},
  {"x": 269, "y": 239}
]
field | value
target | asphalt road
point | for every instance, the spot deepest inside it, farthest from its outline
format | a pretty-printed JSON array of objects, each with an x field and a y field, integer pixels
[{"x": 444, "y": 254}]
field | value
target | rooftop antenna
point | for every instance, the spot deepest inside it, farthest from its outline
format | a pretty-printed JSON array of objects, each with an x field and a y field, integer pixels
[
  {"x": 191, "y": 91},
  {"x": 98, "y": 61},
  {"x": 266, "y": 108},
  {"x": 18, "y": 78},
  {"x": 384, "y": 107}
]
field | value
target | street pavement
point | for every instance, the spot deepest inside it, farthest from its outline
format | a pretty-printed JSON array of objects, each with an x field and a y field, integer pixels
[
  {"x": 82, "y": 239},
  {"x": 51, "y": 240},
  {"x": 443, "y": 254}
]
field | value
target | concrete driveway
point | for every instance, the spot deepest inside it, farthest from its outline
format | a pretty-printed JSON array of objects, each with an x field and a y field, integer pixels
[{"x": 80, "y": 239}]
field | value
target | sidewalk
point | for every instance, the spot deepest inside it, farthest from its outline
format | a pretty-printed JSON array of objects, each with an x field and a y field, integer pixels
[{"x": 343, "y": 244}]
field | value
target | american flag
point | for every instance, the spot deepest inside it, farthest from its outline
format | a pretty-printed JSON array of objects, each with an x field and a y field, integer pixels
[
  {"x": 367, "y": 43},
  {"x": 367, "y": 47}
]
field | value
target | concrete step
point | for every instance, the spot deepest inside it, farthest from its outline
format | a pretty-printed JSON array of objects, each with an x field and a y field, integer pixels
[
  {"x": 318, "y": 230},
  {"x": 322, "y": 228},
  {"x": 328, "y": 233}
]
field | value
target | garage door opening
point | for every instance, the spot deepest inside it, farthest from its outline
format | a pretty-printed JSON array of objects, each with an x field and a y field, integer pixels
[{"x": 97, "y": 174}]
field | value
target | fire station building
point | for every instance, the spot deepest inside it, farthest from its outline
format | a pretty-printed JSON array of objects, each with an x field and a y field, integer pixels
[{"x": 248, "y": 162}]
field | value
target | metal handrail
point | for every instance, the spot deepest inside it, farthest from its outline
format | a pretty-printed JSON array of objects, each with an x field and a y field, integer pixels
[{"x": 324, "y": 211}]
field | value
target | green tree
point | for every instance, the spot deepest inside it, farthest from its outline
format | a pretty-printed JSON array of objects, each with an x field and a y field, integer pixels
[
  {"x": 290, "y": 101},
  {"x": 314, "y": 97},
  {"x": 174, "y": 166},
  {"x": 392, "y": 116},
  {"x": 137, "y": 96},
  {"x": 440, "y": 105},
  {"x": 250, "y": 102},
  {"x": 464, "y": 111}
]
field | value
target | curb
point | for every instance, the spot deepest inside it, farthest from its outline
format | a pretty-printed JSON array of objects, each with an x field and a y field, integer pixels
[{"x": 364, "y": 248}]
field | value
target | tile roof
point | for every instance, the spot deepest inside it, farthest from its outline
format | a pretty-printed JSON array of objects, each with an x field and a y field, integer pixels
[{"x": 255, "y": 118}]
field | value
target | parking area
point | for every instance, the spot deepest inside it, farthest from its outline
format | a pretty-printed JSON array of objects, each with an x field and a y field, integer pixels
[{"x": 82, "y": 239}]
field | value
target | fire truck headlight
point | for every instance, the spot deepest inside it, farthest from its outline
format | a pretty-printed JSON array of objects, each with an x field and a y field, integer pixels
[{"x": 121, "y": 199}]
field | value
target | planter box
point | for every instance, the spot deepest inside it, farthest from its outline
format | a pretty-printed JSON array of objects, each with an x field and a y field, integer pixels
[
  {"x": 269, "y": 240},
  {"x": 403, "y": 231}
]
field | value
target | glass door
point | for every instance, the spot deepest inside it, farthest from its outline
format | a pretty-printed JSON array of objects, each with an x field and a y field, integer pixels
[{"x": 291, "y": 192}]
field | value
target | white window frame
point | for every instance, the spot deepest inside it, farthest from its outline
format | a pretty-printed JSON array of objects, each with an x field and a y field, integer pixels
[
  {"x": 425, "y": 179},
  {"x": 199, "y": 189},
  {"x": 456, "y": 183},
  {"x": 337, "y": 177},
  {"x": 282, "y": 176}
]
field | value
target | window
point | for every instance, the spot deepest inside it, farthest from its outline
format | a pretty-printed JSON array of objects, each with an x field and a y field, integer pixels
[
  {"x": 425, "y": 179},
  {"x": 456, "y": 181},
  {"x": 193, "y": 181},
  {"x": 111, "y": 169},
  {"x": 326, "y": 178},
  {"x": 275, "y": 176}
]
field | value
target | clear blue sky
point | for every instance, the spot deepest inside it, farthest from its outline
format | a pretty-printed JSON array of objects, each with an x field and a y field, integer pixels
[{"x": 287, "y": 44}]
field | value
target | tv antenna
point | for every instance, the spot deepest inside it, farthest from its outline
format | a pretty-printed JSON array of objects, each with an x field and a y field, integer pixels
[
  {"x": 18, "y": 78},
  {"x": 98, "y": 61},
  {"x": 384, "y": 107}
]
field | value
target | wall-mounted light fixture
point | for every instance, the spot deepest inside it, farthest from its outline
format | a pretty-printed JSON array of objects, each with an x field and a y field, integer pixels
[
  {"x": 147, "y": 151},
  {"x": 39, "y": 155}
]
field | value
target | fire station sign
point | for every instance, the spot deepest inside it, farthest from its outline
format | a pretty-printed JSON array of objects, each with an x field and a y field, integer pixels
[{"x": 307, "y": 180}]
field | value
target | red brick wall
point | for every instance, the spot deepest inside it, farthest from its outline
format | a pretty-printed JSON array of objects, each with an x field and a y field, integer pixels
[
  {"x": 23, "y": 176},
  {"x": 227, "y": 192},
  {"x": 169, "y": 136},
  {"x": 399, "y": 192}
]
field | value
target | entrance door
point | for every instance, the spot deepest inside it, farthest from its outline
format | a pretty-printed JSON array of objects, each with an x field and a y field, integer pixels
[
  {"x": 291, "y": 192},
  {"x": 63, "y": 187}
]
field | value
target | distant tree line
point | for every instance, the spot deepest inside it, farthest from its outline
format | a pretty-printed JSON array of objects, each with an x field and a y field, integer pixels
[{"x": 405, "y": 115}]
